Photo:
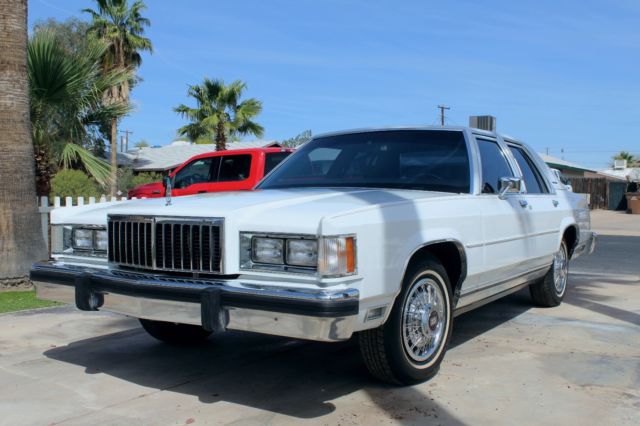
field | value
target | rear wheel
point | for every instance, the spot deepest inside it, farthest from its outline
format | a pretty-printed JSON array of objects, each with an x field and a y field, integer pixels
[
  {"x": 175, "y": 334},
  {"x": 410, "y": 346},
  {"x": 549, "y": 291}
]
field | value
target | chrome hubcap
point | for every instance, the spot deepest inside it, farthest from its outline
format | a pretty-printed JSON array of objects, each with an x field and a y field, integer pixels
[
  {"x": 560, "y": 270},
  {"x": 423, "y": 319}
]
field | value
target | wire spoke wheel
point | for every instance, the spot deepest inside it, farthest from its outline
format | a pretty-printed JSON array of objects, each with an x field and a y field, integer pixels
[
  {"x": 560, "y": 270},
  {"x": 424, "y": 319}
]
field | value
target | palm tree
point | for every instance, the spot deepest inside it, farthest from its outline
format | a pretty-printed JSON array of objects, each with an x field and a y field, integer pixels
[
  {"x": 21, "y": 241},
  {"x": 66, "y": 91},
  {"x": 624, "y": 155},
  {"x": 122, "y": 27},
  {"x": 218, "y": 115}
]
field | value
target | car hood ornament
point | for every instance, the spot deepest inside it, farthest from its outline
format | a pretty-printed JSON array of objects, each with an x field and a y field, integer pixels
[{"x": 167, "y": 191}]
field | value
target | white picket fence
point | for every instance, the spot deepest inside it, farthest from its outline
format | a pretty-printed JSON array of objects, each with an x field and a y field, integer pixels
[{"x": 64, "y": 202}]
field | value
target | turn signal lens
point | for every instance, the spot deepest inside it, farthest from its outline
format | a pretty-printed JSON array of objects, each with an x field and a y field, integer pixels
[{"x": 337, "y": 256}]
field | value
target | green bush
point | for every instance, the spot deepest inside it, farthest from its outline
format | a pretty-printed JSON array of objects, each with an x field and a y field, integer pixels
[
  {"x": 127, "y": 180},
  {"x": 145, "y": 177},
  {"x": 74, "y": 183}
]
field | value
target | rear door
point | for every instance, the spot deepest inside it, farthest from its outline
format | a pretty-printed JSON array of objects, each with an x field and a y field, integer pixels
[
  {"x": 505, "y": 223},
  {"x": 544, "y": 207},
  {"x": 235, "y": 172}
]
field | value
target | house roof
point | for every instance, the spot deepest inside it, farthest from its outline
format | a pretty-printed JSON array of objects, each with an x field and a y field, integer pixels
[
  {"x": 632, "y": 173},
  {"x": 563, "y": 164},
  {"x": 170, "y": 156}
]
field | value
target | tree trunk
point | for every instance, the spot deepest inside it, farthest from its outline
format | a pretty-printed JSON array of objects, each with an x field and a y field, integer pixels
[
  {"x": 21, "y": 241},
  {"x": 221, "y": 138},
  {"x": 43, "y": 170},
  {"x": 114, "y": 157}
]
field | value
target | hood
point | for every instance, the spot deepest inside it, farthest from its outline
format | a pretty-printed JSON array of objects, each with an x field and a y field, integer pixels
[{"x": 288, "y": 208}]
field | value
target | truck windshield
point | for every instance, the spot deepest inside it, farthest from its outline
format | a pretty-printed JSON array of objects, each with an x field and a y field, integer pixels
[{"x": 431, "y": 160}]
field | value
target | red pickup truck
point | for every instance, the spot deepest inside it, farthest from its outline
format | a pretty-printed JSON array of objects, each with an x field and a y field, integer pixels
[{"x": 217, "y": 171}]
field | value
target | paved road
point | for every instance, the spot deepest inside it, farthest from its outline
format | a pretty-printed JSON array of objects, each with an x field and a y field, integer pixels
[{"x": 508, "y": 363}]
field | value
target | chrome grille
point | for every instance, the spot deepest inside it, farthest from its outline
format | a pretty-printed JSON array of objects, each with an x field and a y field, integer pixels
[{"x": 157, "y": 243}]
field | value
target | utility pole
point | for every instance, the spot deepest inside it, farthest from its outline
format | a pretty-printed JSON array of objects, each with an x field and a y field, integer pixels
[
  {"x": 442, "y": 109},
  {"x": 126, "y": 139}
]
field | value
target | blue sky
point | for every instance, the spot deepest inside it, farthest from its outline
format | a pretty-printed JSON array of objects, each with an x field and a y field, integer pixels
[{"x": 557, "y": 74}]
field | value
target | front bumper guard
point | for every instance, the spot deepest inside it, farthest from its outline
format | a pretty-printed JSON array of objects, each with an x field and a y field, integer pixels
[{"x": 216, "y": 305}]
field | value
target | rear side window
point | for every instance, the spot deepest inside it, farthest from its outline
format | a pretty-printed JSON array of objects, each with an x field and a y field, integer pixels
[
  {"x": 532, "y": 177},
  {"x": 494, "y": 166},
  {"x": 234, "y": 168},
  {"x": 273, "y": 159}
]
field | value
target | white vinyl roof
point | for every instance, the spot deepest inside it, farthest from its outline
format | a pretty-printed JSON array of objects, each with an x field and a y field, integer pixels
[{"x": 170, "y": 156}]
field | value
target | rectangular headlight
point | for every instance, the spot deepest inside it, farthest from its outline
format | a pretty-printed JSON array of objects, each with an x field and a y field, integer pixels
[
  {"x": 337, "y": 256},
  {"x": 79, "y": 240},
  {"x": 83, "y": 239},
  {"x": 101, "y": 240},
  {"x": 267, "y": 250},
  {"x": 302, "y": 252}
]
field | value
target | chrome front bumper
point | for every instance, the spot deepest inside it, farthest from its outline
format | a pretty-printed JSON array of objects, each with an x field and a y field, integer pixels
[{"x": 217, "y": 305}]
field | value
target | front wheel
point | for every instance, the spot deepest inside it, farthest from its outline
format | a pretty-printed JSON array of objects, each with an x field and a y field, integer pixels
[
  {"x": 175, "y": 334},
  {"x": 410, "y": 346},
  {"x": 550, "y": 290}
]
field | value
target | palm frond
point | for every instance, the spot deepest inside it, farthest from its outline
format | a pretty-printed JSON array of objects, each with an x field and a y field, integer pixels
[{"x": 97, "y": 168}]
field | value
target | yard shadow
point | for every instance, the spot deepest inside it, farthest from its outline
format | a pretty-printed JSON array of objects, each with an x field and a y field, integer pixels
[
  {"x": 290, "y": 377},
  {"x": 615, "y": 262}
]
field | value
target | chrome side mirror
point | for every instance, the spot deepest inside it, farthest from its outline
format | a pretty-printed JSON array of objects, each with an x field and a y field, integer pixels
[{"x": 509, "y": 184}]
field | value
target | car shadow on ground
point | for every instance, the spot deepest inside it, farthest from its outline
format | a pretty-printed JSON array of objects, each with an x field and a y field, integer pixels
[{"x": 291, "y": 377}]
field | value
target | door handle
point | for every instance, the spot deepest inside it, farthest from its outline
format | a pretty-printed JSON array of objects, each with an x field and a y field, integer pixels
[
  {"x": 202, "y": 192},
  {"x": 523, "y": 203},
  {"x": 555, "y": 203}
]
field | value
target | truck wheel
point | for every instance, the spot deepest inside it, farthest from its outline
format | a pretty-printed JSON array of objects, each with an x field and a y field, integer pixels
[
  {"x": 550, "y": 290},
  {"x": 175, "y": 334},
  {"x": 410, "y": 346}
]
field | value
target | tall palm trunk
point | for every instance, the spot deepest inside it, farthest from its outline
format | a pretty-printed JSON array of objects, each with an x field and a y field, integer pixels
[
  {"x": 221, "y": 137},
  {"x": 114, "y": 157},
  {"x": 21, "y": 241}
]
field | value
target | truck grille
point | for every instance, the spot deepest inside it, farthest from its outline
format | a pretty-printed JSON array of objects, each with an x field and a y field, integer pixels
[{"x": 157, "y": 243}]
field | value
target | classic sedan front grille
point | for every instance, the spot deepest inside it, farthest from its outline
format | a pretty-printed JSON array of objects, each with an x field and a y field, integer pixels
[{"x": 168, "y": 244}]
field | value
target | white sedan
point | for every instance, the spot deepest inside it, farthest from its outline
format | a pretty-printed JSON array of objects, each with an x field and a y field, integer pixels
[{"x": 386, "y": 233}]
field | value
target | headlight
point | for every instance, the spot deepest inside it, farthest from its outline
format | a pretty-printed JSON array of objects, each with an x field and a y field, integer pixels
[
  {"x": 101, "y": 240},
  {"x": 302, "y": 252},
  {"x": 305, "y": 254},
  {"x": 83, "y": 239},
  {"x": 78, "y": 239},
  {"x": 267, "y": 250}
]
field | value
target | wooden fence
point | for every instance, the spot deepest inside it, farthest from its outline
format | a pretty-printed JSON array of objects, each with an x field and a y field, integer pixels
[
  {"x": 603, "y": 193},
  {"x": 597, "y": 188}
]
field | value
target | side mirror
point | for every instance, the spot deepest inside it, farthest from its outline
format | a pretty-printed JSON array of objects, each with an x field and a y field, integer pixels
[{"x": 509, "y": 184}]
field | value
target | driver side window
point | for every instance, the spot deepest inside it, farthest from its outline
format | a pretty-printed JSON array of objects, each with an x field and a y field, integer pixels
[{"x": 197, "y": 171}]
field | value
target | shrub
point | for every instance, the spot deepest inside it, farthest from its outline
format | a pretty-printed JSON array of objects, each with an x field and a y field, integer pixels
[
  {"x": 145, "y": 177},
  {"x": 74, "y": 183}
]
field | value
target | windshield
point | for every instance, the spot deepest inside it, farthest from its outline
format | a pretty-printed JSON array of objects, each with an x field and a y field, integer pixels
[{"x": 432, "y": 160}]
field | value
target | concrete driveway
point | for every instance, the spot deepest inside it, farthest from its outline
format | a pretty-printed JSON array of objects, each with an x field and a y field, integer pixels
[{"x": 508, "y": 363}]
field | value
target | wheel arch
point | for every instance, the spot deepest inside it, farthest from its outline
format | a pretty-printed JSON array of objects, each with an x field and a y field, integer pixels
[
  {"x": 570, "y": 236},
  {"x": 452, "y": 256}
]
